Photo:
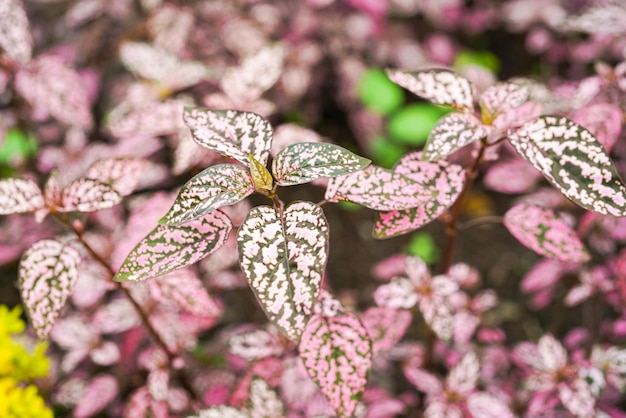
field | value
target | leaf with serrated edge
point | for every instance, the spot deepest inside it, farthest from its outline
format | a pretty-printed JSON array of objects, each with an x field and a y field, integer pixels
[
  {"x": 168, "y": 247},
  {"x": 15, "y": 36},
  {"x": 573, "y": 160},
  {"x": 307, "y": 161},
  {"x": 502, "y": 97},
  {"x": 451, "y": 133},
  {"x": 47, "y": 273},
  {"x": 88, "y": 195},
  {"x": 337, "y": 354},
  {"x": 232, "y": 133},
  {"x": 447, "y": 178},
  {"x": 284, "y": 261},
  {"x": 263, "y": 401},
  {"x": 19, "y": 195},
  {"x": 438, "y": 86},
  {"x": 542, "y": 231},
  {"x": 217, "y": 186},
  {"x": 379, "y": 189},
  {"x": 123, "y": 174}
]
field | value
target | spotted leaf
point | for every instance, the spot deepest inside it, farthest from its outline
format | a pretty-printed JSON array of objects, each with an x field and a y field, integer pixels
[
  {"x": 19, "y": 195},
  {"x": 573, "y": 160},
  {"x": 186, "y": 291},
  {"x": 438, "y": 86},
  {"x": 379, "y": 189},
  {"x": 284, "y": 259},
  {"x": 147, "y": 119},
  {"x": 263, "y": 401},
  {"x": 544, "y": 232},
  {"x": 88, "y": 195},
  {"x": 168, "y": 247},
  {"x": 47, "y": 273},
  {"x": 385, "y": 326},
  {"x": 447, "y": 178},
  {"x": 337, "y": 354},
  {"x": 221, "y": 412},
  {"x": 15, "y": 38},
  {"x": 307, "y": 161},
  {"x": 451, "y": 133},
  {"x": 123, "y": 174},
  {"x": 232, "y": 133},
  {"x": 217, "y": 186},
  {"x": 502, "y": 97},
  {"x": 97, "y": 395}
]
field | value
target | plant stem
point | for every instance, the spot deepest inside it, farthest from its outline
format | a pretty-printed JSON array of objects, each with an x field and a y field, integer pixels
[
  {"x": 183, "y": 375},
  {"x": 450, "y": 220}
]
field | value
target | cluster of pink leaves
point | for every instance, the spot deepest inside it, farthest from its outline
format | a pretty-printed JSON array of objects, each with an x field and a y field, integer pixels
[{"x": 223, "y": 53}]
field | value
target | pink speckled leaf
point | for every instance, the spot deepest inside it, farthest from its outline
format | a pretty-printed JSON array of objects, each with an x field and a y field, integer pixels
[
  {"x": 123, "y": 174},
  {"x": 255, "y": 345},
  {"x": 217, "y": 186},
  {"x": 502, "y": 97},
  {"x": 573, "y": 160},
  {"x": 438, "y": 315},
  {"x": 379, "y": 189},
  {"x": 232, "y": 133},
  {"x": 255, "y": 75},
  {"x": 452, "y": 132},
  {"x": 385, "y": 326},
  {"x": 263, "y": 401},
  {"x": 544, "y": 232},
  {"x": 463, "y": 376},
  {"x": 513, "y": 176},
  {"x": 97, "y": 395},
  {"x": 447, "y": 178},
  {"x": 603, "y": 120},
  {"x": 88, "y": 195},
  {"x": 148, "y": 119},
  {"x": 284, "y": 260},
  {"x": 424, "y": 381},
  {"x": 15, "y": 38},
  {"x": 307, "y": 161},
  {"x": 47, "y": 272},
  {"x": 184, "y": 290},
  {"x": 337, "y": 354},
  {"x": 438, "y": 86},
  {"x": 19, "y": 195},
  {"x": 578, "y": 398},
  {"x": 53, "y": 88},
  {"x": 486, "y": 405},
  {"x": 168, "y": 248},
  {"x": 221, "y": 412}
]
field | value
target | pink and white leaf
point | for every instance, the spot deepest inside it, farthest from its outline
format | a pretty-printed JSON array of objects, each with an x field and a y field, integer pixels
[
  {"x": 603, "y": 120},
  {"x": 217, "y": 186},
  {"x": 88, "y": 195},
  {"x": 146, "y": 119},
  {"x": 256, "y": 74},
  {"x": 186, "y": 291},
  {"x": 337, "y": 354},
  {"x": 573, "y": 160},
  {"x": 255, "y": 345},
  {"x": 578, "y": 398},
  {"x": 553, "y": 355},
  {"x": 516, "y": 117},
  {"x": 96, "y": 396},
  {"x": 15, "y": 36},
  {"x": 502, "y": 97},
  {"x": 464, "y": 325},
  {"x": 123, "y": 174},
  {"x": 232, "y": 133},
  {"x": 399, "y": 293},
  {"x": 379, "y": 189},
  {"x": 545, "y": 274},
  {"x": 107, "y": 353},
  {"x": 451, "y": 133},
  {"x": 307, "y": 161},
  {"x": 447, "y": 178},
  {"x": 221, "y": 412},
  {"x": 438, "y": 86},
  {"x": 463, "y": 377},
  {"x": 385, "y": 327},
  {"x": 168, "y": 248},
  {"x": 284, "y": 260},
  {"x": 424, "y": 381},
  {"x": 19, "y": 196},
  {"x": 54, "y": 89},
  {"x": 47, "y": 273},
  {"x": 142, "y": 404},
  {"x": 438, "y": 315},
  {"x": 439, "y": 407},
  {"x": 544, "y": 232},
  {"x": 289, "y": 134},
  {"x": 263, "y": 401},
  {"x": 327, "y": 305},
  {"x": 486, "y": 405},
  {"x": 118, "y": 315},
  {"x": 513, "y": 176}
]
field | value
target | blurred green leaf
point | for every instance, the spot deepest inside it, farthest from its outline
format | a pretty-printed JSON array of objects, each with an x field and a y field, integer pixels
[
  {"x": 385, "y": 153},
  {"x": 17, "y": 147},
  {"x": 349, "y": 206},
  {"x": 378, "y": 93},
  {"x": 423, "y": 246},
  {"x": 483, "y": 59},
  {"x": 412, "y": 124}
]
